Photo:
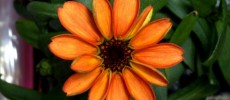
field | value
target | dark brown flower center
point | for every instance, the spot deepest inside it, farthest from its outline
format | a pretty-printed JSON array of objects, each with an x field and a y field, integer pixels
[{"x": 116, "y": 54}]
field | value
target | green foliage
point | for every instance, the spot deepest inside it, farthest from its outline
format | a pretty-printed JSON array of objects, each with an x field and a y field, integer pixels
[
  {"x": 157, "y": 4},
  {"x": 204, "y": 7},
  {"x": 189, "y": 53},
  {"x": 200, "y": 27},
  {"x": 222, "y": 30},
  {"x": 15, "y": 92},
  {"x": 201, "y": 30},
  {"x": 29, "y": 31},
  {"x": 221, "y": 27},
  {"x": 174, "y": 73},
  {"x": 57, "y": 1},
  {"x": 197, "y": 90},
  {"x": 160, "y": 92},
  {"x": 224, "y": 58},
  {"x": 43, "y": 8},
  {"x": 184, "y": 29},
  {"x": 180, "y": 8}
]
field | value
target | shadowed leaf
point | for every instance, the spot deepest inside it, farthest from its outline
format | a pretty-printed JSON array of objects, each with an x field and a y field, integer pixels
[
  {"x": 197, "y": 90},
  {"x": 184, "y": 29},
  {"x": 28, "y": 31},
  {"x": 43, "y": 8},
  {"x": 15, "y": 92}
]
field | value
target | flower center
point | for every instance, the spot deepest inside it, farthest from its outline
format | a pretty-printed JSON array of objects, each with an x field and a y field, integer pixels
[{"x": 116, "y": 54}]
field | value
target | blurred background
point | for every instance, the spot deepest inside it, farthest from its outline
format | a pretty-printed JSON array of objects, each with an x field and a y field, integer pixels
[{"x": 16, "y": 58}]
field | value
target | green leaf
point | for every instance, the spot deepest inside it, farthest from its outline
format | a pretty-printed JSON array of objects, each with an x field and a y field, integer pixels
[
  {"x": 179, "y": 7},
  {"x": 28, "y": 31},
  {"x": 212, "y": 75},
  {"x": 87, "y": 3},
  {"x": 204, "y": 7},
  {"x": 160, "y": 92},
  {"x": 228, "y": 15},
  {"x": 197, "y": 90},
  {"x": 184, "y": 29},
  {"x": 58, "y": 1},
  {"x": 15, "y": 92},
  {"x": 201, "y": 30},
  {"x": 224, "y": 10},
  {"x": 222, "y": 30},
  {"x": 189, "y": 53},
  {"x": 222, "y": 33},
  {"x": 43, "y": 8},
  {"x": 224, "y": 58},
  {"x": 174, "y": 73},
  {"x": 199, "y": 65},
  {"x": 157, "y": 4}
]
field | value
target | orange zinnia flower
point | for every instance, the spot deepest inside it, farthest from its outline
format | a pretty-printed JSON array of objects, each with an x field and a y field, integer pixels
[{"x": 115, "y": 52}]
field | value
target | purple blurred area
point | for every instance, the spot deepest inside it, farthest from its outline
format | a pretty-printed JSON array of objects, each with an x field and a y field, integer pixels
[{"x": 16, "y": 57}]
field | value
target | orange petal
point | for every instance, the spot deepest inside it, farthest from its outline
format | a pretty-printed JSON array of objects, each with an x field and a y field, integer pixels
[
  {"x": 117, "y": 89},
  {"x": 77, "y": 19},
  {"x": 137, "y": 87},
  {"x": 124, "y": 14},
  {"x": 69, "y": 47},
  {"x": 99, "y": 89},
  {"x": 80, "y": 82},
  {"x": 144, "y": 19},
  {"x": 102, "y": 16},
  {"x": 151, "y": 33},
  {"x": 150, "y": 74},
  {"x": 86, "y": 63},
  {"x": 163, "y": 55}
]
